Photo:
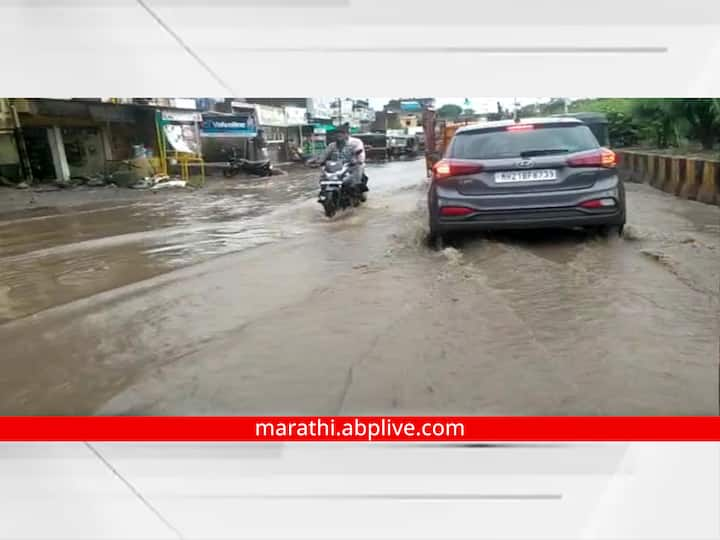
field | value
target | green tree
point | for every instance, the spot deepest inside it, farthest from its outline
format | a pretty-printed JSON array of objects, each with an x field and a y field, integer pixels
[
  {"x": 702, "y": 117},
  {"x": 554, "y": 106},
  {"x": 623, "y": 129},
  {"x": 528, "y": 111},
  {"x": 658, "y": 120},
  {"x": 450, "y": 111}
]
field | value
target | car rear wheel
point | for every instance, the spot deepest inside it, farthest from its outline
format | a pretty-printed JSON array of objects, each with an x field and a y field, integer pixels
[
  {"x": 610, "y": 231},
  {"x": 436, "y": 239}
]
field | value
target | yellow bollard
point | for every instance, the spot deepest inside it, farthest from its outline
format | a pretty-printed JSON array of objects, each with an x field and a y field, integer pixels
[
  {"x": 708, "y": 192},
  {"x": 676, "y": 177},
  {"x": 663, "y": 172},
  {"x": 652, "y": 167},
  {"x": 693, "y": 178}
]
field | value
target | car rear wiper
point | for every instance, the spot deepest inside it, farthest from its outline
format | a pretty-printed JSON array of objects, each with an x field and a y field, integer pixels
[{"x": 545, "y": 152}]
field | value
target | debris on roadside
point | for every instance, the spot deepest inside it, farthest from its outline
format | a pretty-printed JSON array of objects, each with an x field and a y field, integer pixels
[
  {"x": 42, "y": 188},
  {"x": 143, "y": 183},
  {"x": 79, "y": 179},
  {"x": 170, "y": 184},
  {"x": 160, "y": 177},
  {"x": 159, "y": 181},
  {"x": 63, "y": 184},
  {"x": 23, "y": 185},
  {"x": 655, "y": 254},
  {"x": 96, "y": 181}
]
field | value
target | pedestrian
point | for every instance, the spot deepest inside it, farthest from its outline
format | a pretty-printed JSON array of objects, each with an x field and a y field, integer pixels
[{"x": 260, "y": 142}]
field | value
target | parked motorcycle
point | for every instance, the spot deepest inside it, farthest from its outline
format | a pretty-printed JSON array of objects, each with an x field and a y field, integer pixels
[
  {"x": 237, "y": 164},
  {"x": 335, "y": 193}
]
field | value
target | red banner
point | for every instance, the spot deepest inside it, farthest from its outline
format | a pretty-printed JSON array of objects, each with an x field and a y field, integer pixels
[{"x": 360, "y": 429}]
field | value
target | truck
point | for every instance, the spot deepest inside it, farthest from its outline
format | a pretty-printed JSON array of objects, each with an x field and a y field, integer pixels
[
  {"x": 597, "y": 122},
  {"x": 437, "y": 134}
]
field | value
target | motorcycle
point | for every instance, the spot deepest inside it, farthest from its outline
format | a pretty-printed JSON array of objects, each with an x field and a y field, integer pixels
[
  {"x": 237, "y": 164},
  {"x": 335, "y": 193}
]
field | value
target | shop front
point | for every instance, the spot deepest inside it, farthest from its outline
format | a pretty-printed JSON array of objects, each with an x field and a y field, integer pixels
[
  {"x": 84, "y": 151},
  {"x": 296, "y": 118},
  {"x": 223, "y": 133},
  {"x": 67, "y": 139},
  {"x": 179, "y": 142},
  {"x": 9, "y": 156},
  {"x": 317, "y": 137},
  {"x": 273, "y": 122}
]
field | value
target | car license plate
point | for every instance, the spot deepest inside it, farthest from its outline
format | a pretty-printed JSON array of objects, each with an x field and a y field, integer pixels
[{"x": 535, "y": 175}]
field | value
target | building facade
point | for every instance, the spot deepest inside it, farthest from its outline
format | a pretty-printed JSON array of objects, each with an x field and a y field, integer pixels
[
  {"x": 81, "y": 138},
  {"x": 9, "y": 156}
]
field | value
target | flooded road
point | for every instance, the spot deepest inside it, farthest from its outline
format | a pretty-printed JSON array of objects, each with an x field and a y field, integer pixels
[{"x": 247, "y": 300}]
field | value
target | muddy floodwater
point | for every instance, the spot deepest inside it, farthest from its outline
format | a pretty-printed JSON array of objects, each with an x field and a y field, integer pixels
[{"x": 246, "y": 300}]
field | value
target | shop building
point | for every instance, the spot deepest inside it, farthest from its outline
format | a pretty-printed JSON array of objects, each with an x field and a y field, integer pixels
[
  {"x": 73, "y": 138},
  {"x": 9, "y": 155}
]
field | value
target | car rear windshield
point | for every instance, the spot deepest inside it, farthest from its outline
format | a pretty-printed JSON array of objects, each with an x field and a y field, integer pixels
[{"x": 541, "y": 140}]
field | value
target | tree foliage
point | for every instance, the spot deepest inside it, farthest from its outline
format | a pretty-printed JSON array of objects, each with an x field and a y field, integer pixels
[
  {"x": 450, "y": 111},
  {"x": 702, "y": 117},
  {"x": 659, "y": 122}
]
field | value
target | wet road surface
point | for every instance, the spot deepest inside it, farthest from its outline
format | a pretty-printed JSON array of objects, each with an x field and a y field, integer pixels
[{"x": 247, "y": 300}]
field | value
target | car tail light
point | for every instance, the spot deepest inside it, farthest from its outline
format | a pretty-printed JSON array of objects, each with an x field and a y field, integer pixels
[
  {"x": 603, "y": 158},
  {"x": 598, "y": 203},
  {"x": 520, "y": 127},
  {"x": 441, "y": 169},
  {"x": 455, "y": 211},
  {"x": 448, "y": 167}
]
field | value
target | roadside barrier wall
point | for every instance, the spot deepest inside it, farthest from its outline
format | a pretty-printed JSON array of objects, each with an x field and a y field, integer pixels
[{"x": 686, "y": 177}]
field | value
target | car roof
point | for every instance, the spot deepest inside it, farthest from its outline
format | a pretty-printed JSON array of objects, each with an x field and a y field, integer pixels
[{"x": 504, "y": 123}]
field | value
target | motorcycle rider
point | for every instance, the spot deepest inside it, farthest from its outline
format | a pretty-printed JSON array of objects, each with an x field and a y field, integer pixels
[{"x": 351, "y": 150}]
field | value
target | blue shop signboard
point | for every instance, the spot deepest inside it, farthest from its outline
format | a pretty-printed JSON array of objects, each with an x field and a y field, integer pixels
[
  {"x": 410, "y": 106},
  {"x": 237, "y": 125}
]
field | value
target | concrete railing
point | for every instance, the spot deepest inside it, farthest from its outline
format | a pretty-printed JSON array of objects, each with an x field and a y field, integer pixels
[{"x": 686, "y": 177}]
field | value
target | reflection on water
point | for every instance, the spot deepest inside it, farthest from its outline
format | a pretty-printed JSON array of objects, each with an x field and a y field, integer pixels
[{"x": 56, "y": 259}]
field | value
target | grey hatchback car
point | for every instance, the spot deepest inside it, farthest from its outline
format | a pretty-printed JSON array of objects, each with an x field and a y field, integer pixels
[{"x": 533, "y": 173}]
